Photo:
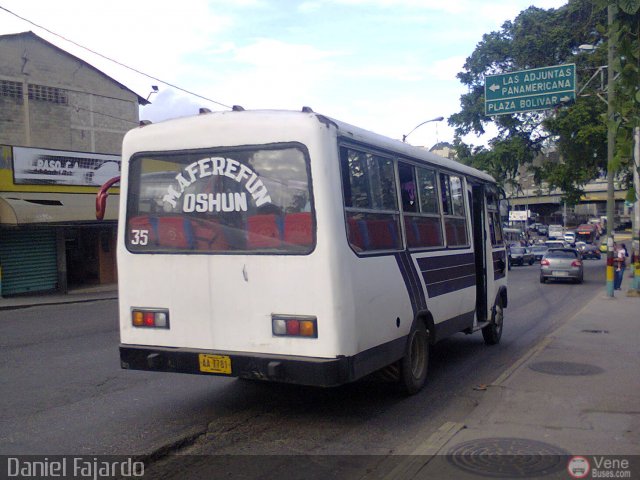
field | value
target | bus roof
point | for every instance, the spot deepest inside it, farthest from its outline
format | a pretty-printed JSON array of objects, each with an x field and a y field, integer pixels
[
  {"x": 358, "y": 134},
  {"x": 344, "y": 131}
]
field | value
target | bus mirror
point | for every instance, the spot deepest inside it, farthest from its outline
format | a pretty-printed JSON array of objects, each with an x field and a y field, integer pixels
[{"x": 101, "y": 197}]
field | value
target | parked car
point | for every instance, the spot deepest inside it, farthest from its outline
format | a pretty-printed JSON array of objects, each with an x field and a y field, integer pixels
[
  {"x": 623, "y": 226},
  {"x": 590, "y": 251},
  {"x": 520, "y": 255},
  {"x": 539, "y": 251},
  {"x": 561, "y": 264}
]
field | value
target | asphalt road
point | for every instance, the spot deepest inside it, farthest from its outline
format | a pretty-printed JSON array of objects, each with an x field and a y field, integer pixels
[{"x": 64, "y": 393}]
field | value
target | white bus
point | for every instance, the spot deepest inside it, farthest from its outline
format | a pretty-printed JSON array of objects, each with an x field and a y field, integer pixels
[{"x": 292, "y": 247}]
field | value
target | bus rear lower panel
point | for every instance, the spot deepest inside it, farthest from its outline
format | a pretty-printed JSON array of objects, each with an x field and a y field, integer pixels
[{"x": 287, "y": 369}]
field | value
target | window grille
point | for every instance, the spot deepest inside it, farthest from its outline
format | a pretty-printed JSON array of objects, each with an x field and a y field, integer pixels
[
  {"x": 10, "y": 89},
  {"x": 48, "y": 94}
]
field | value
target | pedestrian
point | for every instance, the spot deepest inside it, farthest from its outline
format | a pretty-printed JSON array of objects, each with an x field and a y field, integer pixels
[{"x": 620, "y": 254}]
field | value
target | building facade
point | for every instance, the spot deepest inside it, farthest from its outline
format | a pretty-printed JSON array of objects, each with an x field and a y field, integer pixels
[{"x": 62, "y": 122}]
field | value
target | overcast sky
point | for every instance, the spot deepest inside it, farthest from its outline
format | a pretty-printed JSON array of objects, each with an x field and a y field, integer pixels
[{"x": 384, "y": 65}]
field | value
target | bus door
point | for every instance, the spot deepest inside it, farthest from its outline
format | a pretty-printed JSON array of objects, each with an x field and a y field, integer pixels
[{"x": 478, "y": 218}]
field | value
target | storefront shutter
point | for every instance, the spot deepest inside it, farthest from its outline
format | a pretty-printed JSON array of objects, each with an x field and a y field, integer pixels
[{"x": 28, "y": 261}]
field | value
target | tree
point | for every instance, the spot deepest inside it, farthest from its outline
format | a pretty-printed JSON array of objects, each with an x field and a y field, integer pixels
[
  {"x": 539, "y": 38},
  {"x": 626, "y": 34}
]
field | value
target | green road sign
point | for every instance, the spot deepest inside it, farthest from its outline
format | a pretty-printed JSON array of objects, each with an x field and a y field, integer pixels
[{"x": 527, "y": 90}]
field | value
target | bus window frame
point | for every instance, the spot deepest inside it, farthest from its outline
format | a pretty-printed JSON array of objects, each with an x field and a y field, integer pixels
[
  {"x": 396, "y": 158},
  {"x": 136, "y": 156},
  {"x": 419, "y": 213},
  {"x": 466, "y": 216}
]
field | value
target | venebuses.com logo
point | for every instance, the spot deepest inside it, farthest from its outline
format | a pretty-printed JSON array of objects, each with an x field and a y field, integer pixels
[{"x": 599, "y": 467}]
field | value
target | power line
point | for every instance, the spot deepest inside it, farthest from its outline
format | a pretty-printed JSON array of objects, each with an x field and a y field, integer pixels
[
  {"x": 77, "y": 108},
  {"x": 112, "y": 60}
]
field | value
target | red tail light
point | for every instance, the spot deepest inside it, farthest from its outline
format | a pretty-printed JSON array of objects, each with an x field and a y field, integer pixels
[
  {"x": 150, "y": 317},
  {"x": 294, "y": 326},
  {"x": 545, "y": 262},
  {"x": 576, "y": 263}
]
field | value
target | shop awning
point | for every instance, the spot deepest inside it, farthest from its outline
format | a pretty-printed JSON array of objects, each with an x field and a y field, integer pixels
[{"x": 27, "y": 208}]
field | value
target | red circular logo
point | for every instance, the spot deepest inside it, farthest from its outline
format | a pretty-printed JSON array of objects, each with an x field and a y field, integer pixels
[{"x": 578, "y": 467}]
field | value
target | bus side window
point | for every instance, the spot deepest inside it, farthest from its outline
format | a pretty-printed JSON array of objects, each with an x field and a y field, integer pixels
[
  {"x": 453, "y": 210},
  {"x": 370, "y": 200},
  {"x": 423, "y": 227},
  {"x": 408, "y": 187}
]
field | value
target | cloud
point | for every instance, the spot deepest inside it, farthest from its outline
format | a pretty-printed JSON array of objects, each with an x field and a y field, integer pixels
[
  {"x": 447, "y": 68},
  {"x": 274, "y": 53},
  {"x": 309, "y": 7},
  {"x": 386, "y": 65},
  {"x": 169, "y": 104}
]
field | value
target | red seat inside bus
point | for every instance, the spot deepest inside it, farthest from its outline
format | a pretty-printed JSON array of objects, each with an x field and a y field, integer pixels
[
  {"x": 209, "y": 235},
  {"x": 456, "y": 232},
  {"x": 382, "y": 234},
  {"x": 429, "y": 232},
  {"x": 354, "y": 234},
  {"x": 298, "y": 228},
  {"x": 175, "y": 232},
  {"x": 411, "y": 231},
  {"x": 263, "y": 231}
]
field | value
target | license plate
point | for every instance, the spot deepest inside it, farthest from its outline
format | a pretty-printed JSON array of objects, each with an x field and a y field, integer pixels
[
  {"x": 214, "y": 363},
  {"x": 560, "y": 274}
]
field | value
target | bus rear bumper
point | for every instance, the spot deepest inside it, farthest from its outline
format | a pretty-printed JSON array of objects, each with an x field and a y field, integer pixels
[{"x": 323, "y": 372}]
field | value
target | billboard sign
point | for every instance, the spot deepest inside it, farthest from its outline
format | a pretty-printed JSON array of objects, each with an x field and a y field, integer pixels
[{"x": 36, "y": 166}]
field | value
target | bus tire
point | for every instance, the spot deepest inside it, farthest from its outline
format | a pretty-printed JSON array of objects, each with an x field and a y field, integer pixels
[
  {"x": 415, "y": 363},
  {"x": 493, "y": 332}
]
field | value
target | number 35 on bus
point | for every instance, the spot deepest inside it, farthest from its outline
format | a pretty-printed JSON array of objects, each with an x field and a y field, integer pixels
[{"x": 292, "y": 247}]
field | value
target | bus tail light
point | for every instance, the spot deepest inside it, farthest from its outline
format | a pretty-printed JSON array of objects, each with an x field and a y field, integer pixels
[
  {"x": 294, "y": 326},
  {"x": 150, "y": 317}
]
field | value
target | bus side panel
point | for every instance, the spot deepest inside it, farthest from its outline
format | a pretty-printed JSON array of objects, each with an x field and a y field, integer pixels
[
  {"x": 450, "y": 296},
  {"x": 381, "y": 302}
]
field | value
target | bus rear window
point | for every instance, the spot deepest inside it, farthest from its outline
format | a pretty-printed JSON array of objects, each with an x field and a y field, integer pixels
[{"x": 221, "y": 201}]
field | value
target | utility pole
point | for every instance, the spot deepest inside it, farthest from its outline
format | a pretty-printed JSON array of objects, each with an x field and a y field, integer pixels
[
  {"x": 611, "y": 145},
  {"x": 635, "y": 225}
]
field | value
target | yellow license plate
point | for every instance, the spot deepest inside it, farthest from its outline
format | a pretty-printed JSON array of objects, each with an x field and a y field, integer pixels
[{"x": 214, "y": 363}]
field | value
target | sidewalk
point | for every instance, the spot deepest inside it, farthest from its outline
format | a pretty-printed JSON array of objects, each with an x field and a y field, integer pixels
[
  {"x": 577, "y": 393},
  {"x": 85, "y": 294}
]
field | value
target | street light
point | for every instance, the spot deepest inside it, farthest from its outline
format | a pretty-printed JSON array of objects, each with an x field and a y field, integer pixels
[
  {"x": 154, "y": 89},
  {"x": 437, "y": 119}
]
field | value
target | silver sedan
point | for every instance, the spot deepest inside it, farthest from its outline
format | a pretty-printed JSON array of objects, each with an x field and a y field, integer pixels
[{"x": 561, "y": 263}]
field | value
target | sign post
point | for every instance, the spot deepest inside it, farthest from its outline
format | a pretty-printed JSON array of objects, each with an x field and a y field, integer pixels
[{"x": 529, "y": 90}]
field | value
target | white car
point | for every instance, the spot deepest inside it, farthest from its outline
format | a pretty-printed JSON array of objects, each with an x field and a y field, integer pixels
[
  {"x": 555, "y": 232},
  {"x": 570, "y": 238}
]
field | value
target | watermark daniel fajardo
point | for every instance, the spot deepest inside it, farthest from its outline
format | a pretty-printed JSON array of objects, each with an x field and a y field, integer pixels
[{"x": 72, "y": 467}]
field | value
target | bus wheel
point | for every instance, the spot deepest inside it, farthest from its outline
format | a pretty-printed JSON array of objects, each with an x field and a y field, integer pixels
[
  {"x": 414, "y": 364},
  {"x": 492, "y": 332}
]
